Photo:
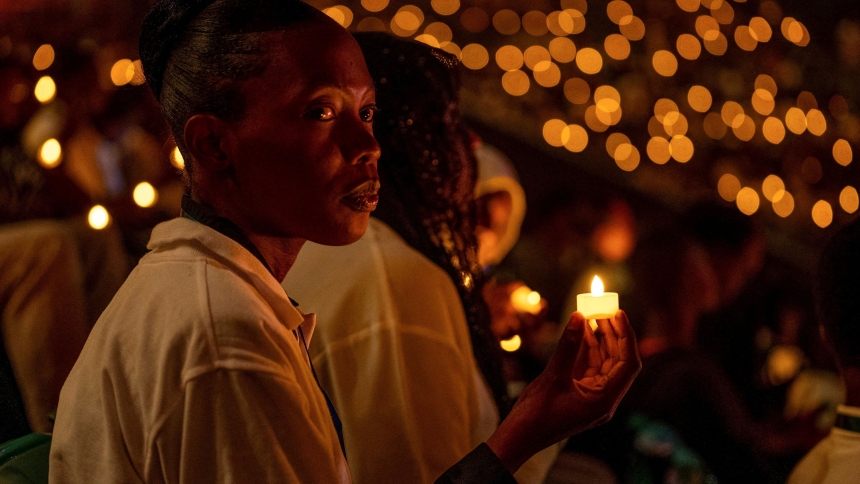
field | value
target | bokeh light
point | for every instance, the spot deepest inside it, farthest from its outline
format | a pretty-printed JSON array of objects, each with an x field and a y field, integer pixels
[
  {"x": 784, "y": 205},
  {"x": 617, "y": 10},
  {"x": 745, "y": 130},
  {"x": 374, "y": 5},
  {"x": 445, "y": 7},
  {"x": 717, "y": 46},
  {"x": 577, "y": 91},
  {"x": 714, "y": 126},
  {"x": 50, "y": 153},
  {"x": 509, "y": 58},
  {"x": 593, "y": 121},
  {"x": 589, "y": 61},
  {"x": 506, "y": 22},
  {"x": 577, "y": 139},
  {"x": 681, "y": 148},
  {"x": 747, "y": 201},
  {"x": 699, "y": 98},
  {"x": 795, "y": 120},
  {"x": 732, "y": 114},
  {"x": 371, "y": 24},
  {"x": 763, "y": 102},
  {"x": 547, "y": 73},
  {"x": 119, "y": 73},
  {"x": 475, "y": 56},
  {"x": 515, "y": 83},
  {"x": 340, "y": 14},
  {"x": 773, "y": 130},
  {"x": 658, "y": 150},
  {"x": 728, "y": 187},
  {"x": 562, "y": 49},
  {"x": 842, "y": 152},
  {"x": 688, "y": 47},
  {"x": 665, "y": 63},
  {"x": 511, "y": 344},
  {"x": 98, "y": 217},
  {"x": 771, "y": 187},
  {"x": 555, "y": 132},
  {"x": 176, "y": 159},
  {"x": 822, "y": 214},
  {"x": 815, "y": 122},
  {"x": 534, "y": 22},
  {"x": 745, "y": 39},
  {"x": 616, "y": 47},
  {"x": 144, "y": 195},
  {"x": 688, "y": 5},
  {"x": 760, "y": 29},
  {"x": 44, "y": 57},
  {"x": 45, "y": 89},
  {"x": 849, "y": 200},
  {"x": 407, "y": 20},
  {"x": 764, "y": 81},
  {"x": 633, "y": 28},
  {"x": 534, "y": 55}
]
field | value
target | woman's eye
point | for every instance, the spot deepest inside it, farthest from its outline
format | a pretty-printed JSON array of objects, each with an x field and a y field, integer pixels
[
  {"x": 322, "y": 113},
  {"x": 367, "y": 114}
]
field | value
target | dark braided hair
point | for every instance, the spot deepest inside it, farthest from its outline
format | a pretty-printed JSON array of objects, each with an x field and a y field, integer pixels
[
  {"x": 428, "y": 173},
  {"x": 195, "y": 52}
]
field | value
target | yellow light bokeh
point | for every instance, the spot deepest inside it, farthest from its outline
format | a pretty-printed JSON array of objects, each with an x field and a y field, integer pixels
[
  {"x": 688, "y": 5},
  {"x": 616, "y": 46},
  {"x": 512, "y": 344},
  {"x": 723, "y": 13},
  {"x": 633, "y": 28},
  {"x": 593, "y": 122},
  {"x": 665, "y": 63},
  {"x": 842, "y": 152},
  {"x": 745, "y": 39},
  {"x": 627, "y": 157},
  {"x": 506, "y": 22},
  {"x": 50, "y": 153},
  {"x": 617, "y": 10},
  {"x": 822, "y": 214},
  {"x": 681, "y": 148},
  {"x": 806, "y": 101},
  {"x": 119, "y": 73},
  {"x": 475, "y": 56},
  {"x": 763, "y": 102},
  {"x": 714, "y": 126},
  {"x": 656, "y": 129},
  {"x": 428, "y": 39},
  {"x": 707, "y": 27},
  {"x": 340, "y": 14},
  {"x": 849, "y": 199},
  {"x": 760, "y": 29},
  {"x": 795, "y": 121},
  {"x": 144, "y": 195},
  {"x": 746, "y": 130},
  {"x": 176, "y": 159},
  {"x": 764, "y": 81},
  {"x": 547, "y": 73},
  {"x": 577, "y": 91},
  {"x": 562, "y": 49},
  {"x": 614, "y": 142},
  {"x": 374, "y": 5},
  {"x": 534, "y": 22},
  {"x": 454, "y": 49},
  {"x": 771, "y": 187},
  {"x": 445, "y": 7},
  {"x": 45, "y": 89},
  {"x": 658, "y": 150},
  {"x": 747, "y": 201},
  {"x": 515, "y": 83},
  {"x": 535, "y": 55},
  {"x": 555, "y": 132},
  {"x": 407, "y": 20},
  {"x": 784, "y": 204},
  {"x": 589, "y": 60},
  {"x": 699, "y": 98},
  {"x": 664, "y": 107},
  {"x": 98, "y": 217},
  {"x": 570, "y": 21},
  {"x": 440, "y": 31},
  {"x": 509, "y": 58},
  {"x": 728, "y": 187},
  {"x": 717, "y": 46},
  {"x": 815, "y": 122},
  {"x": 577, "y": 139},
  {"x": 773, "y": 130},
  {"x": 688, "y": 47},
  {"x": 732, "y": 114},
  {"x": 676, "y": 125},
  {"x": 44, "y": 57}
]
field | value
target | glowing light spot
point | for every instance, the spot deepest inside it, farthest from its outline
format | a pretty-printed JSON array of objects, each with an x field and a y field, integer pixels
[
  {"x": 784, "y": 204},
  {"x": 658, "y": 150},
  {"x": 556, "y": 132},
  {"x": 445, "y": 7},
  {"x": 631, "y": 160},
  {"x": 407, "y": 20},
  {"x": 452, "y": 48},
  {"x": 45, "y": 89},
  {"x": 747, "y": 201},
  {"x": 714, "y": 126},
  {"x": 371, "y": 24},
  {"x": 98, "y": 217},
  {"x": 707, "y": 27},
  {"x": 632, "y": 28},
  {"x": 746, "y": 130},
  {"x": 562, "y": 49},
  {"x": 849, "y": 199},
  {"x": 577, "y": 138},
  {"x": 665, "y": 63},
  {"x": 547, "y": 74},
  {"x": 506, "y": 22},
  {"x": 509, "y": 58},
  {"x": 340, "y": 14},
  {"x": 144, "y": 195},
  {"x": 663, "y": 108},
  {"x": 763, "y": 102},
  {"x": 577, "y": 91},
  {"x": 728, "y": 187},
  {"x": 744, "y": 38},
  {"x": 733, "y": 114},
  {"x": 607, "y": 92},
  {"x": 681, "y": 148},
  {"x": 773, "y": 130},
  {"x": 616, "y": 46},
  {"x": 50, "y": 154},
  {"x": 699, "y": 98},
  {"x": 795, "y": 120},
  {"x": 512, "y": 344},
  {"x": 440, "y": 31},
  {"x": 44, "y": 57},
  {"x": 119, "y": 74},
  {"x": 534, "y": 22},
  {"x": 656, "y": 129},
  {"x": 688, "y": 5},
  {"x": 593, "y": 122},
  {"x": 176, "y": 159},
  {"x": 374, "y": 5},
  {"x": 771, "y": 187},
  {"x": 842, "y": 152},
  {"x": 475, "y": 19},
  {"x": 794, "y": 31},
  {"x": 806, "y": 101},
  {"x": 617, "y": 10},
  {"x": 428, "y": 39},
  {"x": 724, "y": 13},
  {"x": 618, "y": 145},
  {"x": 589, "y": 61},
  {"x": 475, "y": 56},
  {"x": 688, "y": 47},
  {"x": 717, "y": 46},
  {"x": 676, "y": 125},
  {"x": 822, "y": 214},
  {"x": 815, "y": 122},
  {"x": 515, "y": 83},
  {"x": 760, "y": 29},
  {"x": 767, "y": 83},
  {"x": 535, "y": 55}
]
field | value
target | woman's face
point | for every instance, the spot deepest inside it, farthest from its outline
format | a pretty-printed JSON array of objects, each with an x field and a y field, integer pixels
[{"x": 306, "y": 156}]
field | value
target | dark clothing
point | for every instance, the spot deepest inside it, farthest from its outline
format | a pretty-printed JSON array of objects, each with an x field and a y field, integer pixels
[{"x": 481, "y": 466}]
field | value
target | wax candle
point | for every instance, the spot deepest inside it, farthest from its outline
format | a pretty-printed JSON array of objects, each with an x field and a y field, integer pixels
[
  {"x": 525, "y": 300},
  {"x": 597, "y": 304}
]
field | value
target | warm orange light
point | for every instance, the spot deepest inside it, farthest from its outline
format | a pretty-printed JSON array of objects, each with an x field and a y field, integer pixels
[
  {"x": 144, "y": 195},
  {"x": 509, "y": 58},
  {"x": 98, "y": 217},
  {"x": 340, "y": 14},
  {"x": 688, "y": 47},
  {"x": 50, "y": 154},
  {"x": 849, "y": 199},
  {"x": 822, "y": 214},
  {"x": 374, "y": 5},
  {"x": 699, "y": 98},
  {"x": 506, "y": 22},
  {"x": 577, "y": 91},
  {"x": 44, "y": 57},
  {"x": 555, "y": 132},
  {"x": 589, "y": 61},
  {"x": 475, "y": 56},
  {"x": 728, "y": 187},
  {"x": 45, "y": 89},
  {"x": 119, "y": 73},
  {"x": 616, "y": 46},
  {"x": 596, "y": 286},
  {"x": 842, "y": 152},
  {"x": 747, "y": 201},
  {"x": 445, "y": 7},
  {"x": 665, "y": 63},
  {"x": 176, "y": 159},
  {"x": 515, "y": 83},
  {"x": 658, "y": 150},
  {"x": 512, "y": 344},
  {"x": 562, "y": 49}
]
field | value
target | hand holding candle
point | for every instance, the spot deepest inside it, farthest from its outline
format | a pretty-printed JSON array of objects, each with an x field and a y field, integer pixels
[{"x": 597, "y": 304}]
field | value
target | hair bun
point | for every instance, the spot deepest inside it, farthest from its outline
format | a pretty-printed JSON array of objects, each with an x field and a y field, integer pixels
[{"x": 162, "y": 27}]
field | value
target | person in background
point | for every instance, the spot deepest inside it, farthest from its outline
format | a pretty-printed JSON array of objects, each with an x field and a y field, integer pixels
[
  {"x": 198, "y": 370},
  {"x": 407, "y": 352},
  {"x": 834, "y": 459}
]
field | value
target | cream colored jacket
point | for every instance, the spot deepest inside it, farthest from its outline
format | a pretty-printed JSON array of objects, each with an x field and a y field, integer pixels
[{"x": 193, "y": 375}]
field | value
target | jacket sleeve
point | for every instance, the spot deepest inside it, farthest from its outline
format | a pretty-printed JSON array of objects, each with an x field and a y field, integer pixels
[{"x": 246, "y": 426}]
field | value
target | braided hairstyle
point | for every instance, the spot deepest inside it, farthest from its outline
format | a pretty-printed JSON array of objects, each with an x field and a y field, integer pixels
[
  {"x": 196, "y": 52},
  {"x": 428, "y": 174}
]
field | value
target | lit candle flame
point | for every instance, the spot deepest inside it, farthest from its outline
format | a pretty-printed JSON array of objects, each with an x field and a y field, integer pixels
[{"x": 596, "y": 287}]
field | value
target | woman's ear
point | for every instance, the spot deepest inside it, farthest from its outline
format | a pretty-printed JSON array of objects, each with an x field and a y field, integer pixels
[{"x": 209, "y": 140}]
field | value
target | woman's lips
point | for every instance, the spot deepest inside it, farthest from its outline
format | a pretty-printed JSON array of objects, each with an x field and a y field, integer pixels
[{"x": 364, "y": 197}]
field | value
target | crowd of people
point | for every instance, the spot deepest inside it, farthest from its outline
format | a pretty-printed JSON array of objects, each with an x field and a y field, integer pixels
[{"x": 355, "y": 186}]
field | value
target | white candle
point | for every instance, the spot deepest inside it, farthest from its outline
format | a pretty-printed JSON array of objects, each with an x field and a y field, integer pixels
[{"x": 597, "y": 304}]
